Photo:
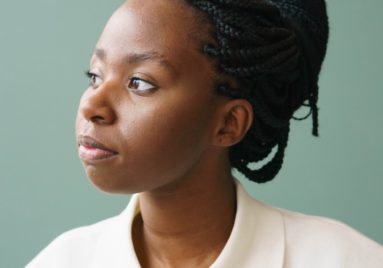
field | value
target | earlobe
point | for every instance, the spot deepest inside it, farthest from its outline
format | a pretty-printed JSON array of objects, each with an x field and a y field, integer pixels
[{"x": 235, "y": 119}]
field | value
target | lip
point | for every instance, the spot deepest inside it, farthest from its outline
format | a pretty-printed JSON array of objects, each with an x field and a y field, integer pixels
[{"x": 92, "y": 150}]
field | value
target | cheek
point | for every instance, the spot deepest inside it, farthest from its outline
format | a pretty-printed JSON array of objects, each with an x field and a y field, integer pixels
[
  {"x": 162, "y": 143},
  {"x": 78, "y": 123},
  {"x": 166, "y": 131}
]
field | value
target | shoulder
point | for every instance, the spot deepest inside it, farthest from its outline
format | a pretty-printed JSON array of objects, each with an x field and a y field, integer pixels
[
  {"x": 106, "y": 243},
  {"x": 293, "y": 239},
  {"x": 72, "y": 245},
  {"x": 309, "y": 241},
  {"x": 328, "y": 242}
]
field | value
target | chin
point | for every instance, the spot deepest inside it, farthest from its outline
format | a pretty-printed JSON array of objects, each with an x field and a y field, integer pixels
[{"x": 112, "y": 185}]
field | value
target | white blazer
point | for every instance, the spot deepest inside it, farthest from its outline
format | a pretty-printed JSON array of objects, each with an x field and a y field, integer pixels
[{"x": 262, "y": 237}]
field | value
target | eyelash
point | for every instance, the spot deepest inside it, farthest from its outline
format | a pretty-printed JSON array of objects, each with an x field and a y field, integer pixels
[
  {"x": 88, "y": 73},
  {"x": 91, "y": 75}
]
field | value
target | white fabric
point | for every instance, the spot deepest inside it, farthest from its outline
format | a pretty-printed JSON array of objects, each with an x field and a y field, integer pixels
[{"x": 262, "y": 236}]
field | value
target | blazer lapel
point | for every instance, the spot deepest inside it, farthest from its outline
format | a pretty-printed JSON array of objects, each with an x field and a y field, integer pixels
[
  {"x": 115, "y": 246},
  {"x": 257, "y": 238}
]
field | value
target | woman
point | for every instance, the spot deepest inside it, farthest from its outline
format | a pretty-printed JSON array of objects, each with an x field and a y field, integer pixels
[{"x": 181, "y": 92}]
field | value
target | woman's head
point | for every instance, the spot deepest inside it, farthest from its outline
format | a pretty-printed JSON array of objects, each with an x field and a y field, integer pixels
[{"x": 171, "y": 94}]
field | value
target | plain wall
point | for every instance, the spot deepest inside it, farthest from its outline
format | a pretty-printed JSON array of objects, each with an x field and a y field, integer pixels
[{"x": 45, "y": 46}]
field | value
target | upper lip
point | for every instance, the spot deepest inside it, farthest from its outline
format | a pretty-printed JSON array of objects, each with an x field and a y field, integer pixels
[{"x": 88, "y": 141}]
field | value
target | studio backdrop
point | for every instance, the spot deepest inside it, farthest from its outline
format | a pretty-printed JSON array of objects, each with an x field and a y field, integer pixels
[{"x": 45, "y": 46}]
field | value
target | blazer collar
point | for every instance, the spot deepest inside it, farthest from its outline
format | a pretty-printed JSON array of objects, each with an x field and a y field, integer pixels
[
  {"x": 257, "y": 238},
  {"x": 115, "y": 247}
]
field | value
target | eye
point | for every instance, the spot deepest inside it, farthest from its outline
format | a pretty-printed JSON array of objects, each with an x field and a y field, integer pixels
[
  {"x": 140, "y": 86},
  {"x": 95, "y": 80}
]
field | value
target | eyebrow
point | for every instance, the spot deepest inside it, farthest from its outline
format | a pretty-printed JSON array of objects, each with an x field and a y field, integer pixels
[{"x": 134, "y": 58}]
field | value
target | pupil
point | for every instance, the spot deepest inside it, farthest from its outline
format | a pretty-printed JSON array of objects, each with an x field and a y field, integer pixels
[{"x": 135, "y": 83}]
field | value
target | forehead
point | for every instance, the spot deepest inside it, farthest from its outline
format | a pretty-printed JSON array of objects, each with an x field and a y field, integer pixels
[{"x": 165, "y": 26}]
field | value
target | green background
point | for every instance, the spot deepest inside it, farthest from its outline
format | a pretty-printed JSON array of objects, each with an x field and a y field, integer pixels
[{"x": 46, "y": 45}]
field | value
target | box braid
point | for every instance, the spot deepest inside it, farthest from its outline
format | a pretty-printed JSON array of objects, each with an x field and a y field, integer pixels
[{"x": 274, "y": 51}]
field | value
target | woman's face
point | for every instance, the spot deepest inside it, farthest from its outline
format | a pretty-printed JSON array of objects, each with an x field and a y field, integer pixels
[{"x": 151, "y": 99}]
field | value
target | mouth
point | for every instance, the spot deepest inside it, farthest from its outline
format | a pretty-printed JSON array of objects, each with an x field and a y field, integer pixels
[{"x": 90, "y": 149}]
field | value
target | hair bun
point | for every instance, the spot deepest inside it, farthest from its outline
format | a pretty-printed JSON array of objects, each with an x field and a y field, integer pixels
[
  {"x": 311, "y": 17},
  {"x": 310, "y": 20}
]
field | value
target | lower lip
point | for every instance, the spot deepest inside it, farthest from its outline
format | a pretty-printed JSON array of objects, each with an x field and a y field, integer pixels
[{"x": 92, "y": 154}]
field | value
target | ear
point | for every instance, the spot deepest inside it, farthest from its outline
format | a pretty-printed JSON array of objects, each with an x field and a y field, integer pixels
[{"x": 234, "y": 119}]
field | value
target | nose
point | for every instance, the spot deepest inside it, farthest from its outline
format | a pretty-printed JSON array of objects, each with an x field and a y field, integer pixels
[{"x": 97, "y": 105}]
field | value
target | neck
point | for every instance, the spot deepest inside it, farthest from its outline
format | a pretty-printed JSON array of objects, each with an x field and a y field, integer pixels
[{"x": 189, "y": 221}]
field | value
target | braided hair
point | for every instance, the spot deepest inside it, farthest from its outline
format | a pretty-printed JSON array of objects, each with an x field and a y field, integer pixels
[{"x": 274, "y": 51}]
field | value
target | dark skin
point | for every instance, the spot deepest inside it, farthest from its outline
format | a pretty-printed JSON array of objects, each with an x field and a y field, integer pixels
[{"x": 170, "y": 130}]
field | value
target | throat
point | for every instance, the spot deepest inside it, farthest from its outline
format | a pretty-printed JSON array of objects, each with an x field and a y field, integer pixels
[{"x": 171, "y": 233}]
